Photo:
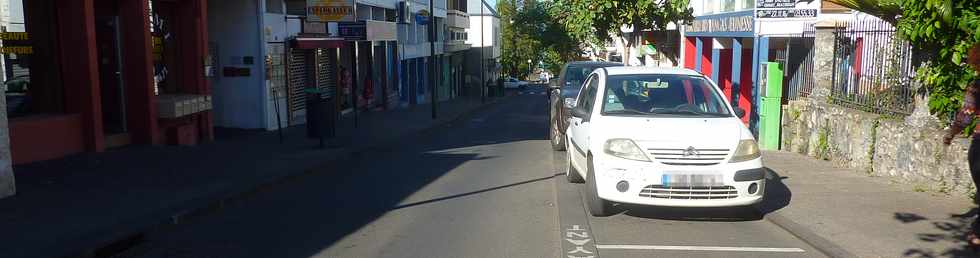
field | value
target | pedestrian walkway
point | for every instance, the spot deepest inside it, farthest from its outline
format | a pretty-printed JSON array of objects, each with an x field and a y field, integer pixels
[
  {"x": 67, "y": 205},
  {"x": 848, "y": 213}
]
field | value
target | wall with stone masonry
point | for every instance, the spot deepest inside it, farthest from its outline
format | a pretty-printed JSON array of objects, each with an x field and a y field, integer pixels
[{"x": 907, "y": 150}]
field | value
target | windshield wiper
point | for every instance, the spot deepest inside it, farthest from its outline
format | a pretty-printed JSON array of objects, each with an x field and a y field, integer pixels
[
  {"x": 627, "y": 111},
  {"x": 687, "y": 112}
]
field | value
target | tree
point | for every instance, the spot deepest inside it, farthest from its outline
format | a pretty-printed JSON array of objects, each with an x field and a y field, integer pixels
[
  {"x": 887, "y": 10},
  {"x": 604, "y": 18}
]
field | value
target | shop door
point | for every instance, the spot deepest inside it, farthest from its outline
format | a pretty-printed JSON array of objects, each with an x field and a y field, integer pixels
[{"x": 110, "y": 75}]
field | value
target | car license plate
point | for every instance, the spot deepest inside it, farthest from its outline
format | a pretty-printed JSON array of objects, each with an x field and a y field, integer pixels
[{"x": 687, "y": 180}]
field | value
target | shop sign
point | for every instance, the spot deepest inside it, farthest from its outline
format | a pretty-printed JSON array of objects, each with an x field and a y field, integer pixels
[
  {"x": 786, "y": 13},
  {"x": 352, "y": 31},
  {"x": 16, "y": 43},
  {"x": 422, "y": 17},
  {"x": 776, "y": 3},
  {"x": 329, "y": 10},
  {"x": 724, "y": 24}
]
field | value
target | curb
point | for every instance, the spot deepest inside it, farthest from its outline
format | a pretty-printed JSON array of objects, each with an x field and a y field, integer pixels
[
  {"x": 132, "y": 232},
  {"x": 808, "y": 236}
]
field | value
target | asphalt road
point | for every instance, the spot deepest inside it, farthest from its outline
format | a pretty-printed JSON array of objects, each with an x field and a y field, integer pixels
[{"x": 487, "y": 186}]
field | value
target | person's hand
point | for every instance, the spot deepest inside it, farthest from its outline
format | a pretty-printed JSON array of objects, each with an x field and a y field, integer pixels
[{"x": 948, "y": 138}]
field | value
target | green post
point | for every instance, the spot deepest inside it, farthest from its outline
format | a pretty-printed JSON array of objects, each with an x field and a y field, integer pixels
[{"x": 771, "y": 106}]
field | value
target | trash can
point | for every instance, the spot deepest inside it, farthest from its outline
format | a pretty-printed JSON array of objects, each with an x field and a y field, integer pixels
[{"x": 320, "y": 114}]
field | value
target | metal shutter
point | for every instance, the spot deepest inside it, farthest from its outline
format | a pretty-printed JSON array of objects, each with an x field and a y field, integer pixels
[
  {"x": 326, "y": 80},
  {"x": 297, "y": 83}
]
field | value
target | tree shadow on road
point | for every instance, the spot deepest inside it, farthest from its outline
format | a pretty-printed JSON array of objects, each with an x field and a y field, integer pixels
[
  {"x": 952, "y": 230},
  {"x": 777, "y": 196}
]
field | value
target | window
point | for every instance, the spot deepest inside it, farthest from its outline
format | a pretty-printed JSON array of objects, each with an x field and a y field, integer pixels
[
  {"x": 273, "y": 6},
  {"x": 662, "y": 95},
  {"x": 296, "y": 7},
  {"x": 587, "y": 94},
  {"x": 30, "y": 72}
]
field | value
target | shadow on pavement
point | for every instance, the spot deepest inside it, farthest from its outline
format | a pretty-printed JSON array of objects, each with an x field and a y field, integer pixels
[
  {"x": 307, "y": 217},
  {"x": 954, "y": 230},
  {"x": 777, "y": 196}
]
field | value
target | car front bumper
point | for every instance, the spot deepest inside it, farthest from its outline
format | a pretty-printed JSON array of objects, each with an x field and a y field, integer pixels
[{"x": 645, "y": 185}]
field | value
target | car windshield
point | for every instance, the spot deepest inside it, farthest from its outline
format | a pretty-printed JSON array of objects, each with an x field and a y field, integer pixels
[
  {"x": 574, "y": 75},
  {"x": 660, "y": 94}
]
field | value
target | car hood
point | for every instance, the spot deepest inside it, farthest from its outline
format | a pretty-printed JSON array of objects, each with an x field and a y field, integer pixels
[{"x": 676, "y": 132}]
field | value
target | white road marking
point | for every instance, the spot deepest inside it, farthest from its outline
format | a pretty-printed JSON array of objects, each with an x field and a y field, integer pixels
[{"x": 701, "y": 248}]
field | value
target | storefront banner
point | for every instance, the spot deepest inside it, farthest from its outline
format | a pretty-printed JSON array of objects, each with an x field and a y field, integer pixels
[
  {"x": 722, "y": 24},
  {"x": 17, "y": 43},
  {"x": 329, "y": 10}
]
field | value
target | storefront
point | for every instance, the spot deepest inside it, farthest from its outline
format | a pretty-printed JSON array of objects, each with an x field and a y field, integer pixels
[
  {"x": 86, "y": 75},
  {"x": 728, "y": 41}
]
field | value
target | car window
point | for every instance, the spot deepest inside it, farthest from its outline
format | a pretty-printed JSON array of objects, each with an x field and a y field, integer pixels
[
  {"x": 575, "y": 75},
  {"x": 662, "y": 94},
  {"x": 588, "y": 94}
]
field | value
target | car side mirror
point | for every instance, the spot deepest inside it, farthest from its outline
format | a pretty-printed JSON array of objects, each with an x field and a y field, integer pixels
[
  {"x": 578, "y": 112},
  {"x": 740, "y": 112},
  {"x": 569, "y": 103}
]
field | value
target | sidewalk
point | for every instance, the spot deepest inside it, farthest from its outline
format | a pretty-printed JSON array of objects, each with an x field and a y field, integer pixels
[
  {"x": 66, "y": 206},
  {"x": 848, "y": 213}
]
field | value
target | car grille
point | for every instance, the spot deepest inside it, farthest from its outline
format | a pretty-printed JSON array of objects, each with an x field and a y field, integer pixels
[
  {"x": 689, "y": 192},
  {"x": 683, "y": 157}
]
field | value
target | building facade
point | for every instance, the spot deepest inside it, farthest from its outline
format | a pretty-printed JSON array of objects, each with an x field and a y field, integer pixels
[
  {"x": 483, "y": 36},
  {"x": 730, "y": 39},
  {"x": 86, "y": 75}
]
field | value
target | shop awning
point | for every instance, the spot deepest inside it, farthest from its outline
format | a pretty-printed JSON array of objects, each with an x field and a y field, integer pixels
[{"x": 313, "y": 43}]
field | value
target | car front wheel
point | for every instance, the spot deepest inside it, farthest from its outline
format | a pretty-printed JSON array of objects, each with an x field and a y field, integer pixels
[{"x": 597, "y": 206}]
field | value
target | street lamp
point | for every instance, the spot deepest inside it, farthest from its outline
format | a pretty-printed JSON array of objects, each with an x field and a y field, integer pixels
[{"x": 530, "y": 69}]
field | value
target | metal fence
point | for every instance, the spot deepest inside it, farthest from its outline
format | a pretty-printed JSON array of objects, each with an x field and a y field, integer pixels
[
  {"x": 799, "y": 65},
  {"x": 873, "y": 68}
]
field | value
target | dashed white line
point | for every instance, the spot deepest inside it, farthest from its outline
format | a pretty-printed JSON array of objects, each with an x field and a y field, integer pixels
[{"x": 701, "y": 248}]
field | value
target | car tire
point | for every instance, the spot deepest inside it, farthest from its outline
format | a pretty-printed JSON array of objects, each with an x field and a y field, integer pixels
[
  {"x": 555, "y": 134},
  {"x": 571, "y": 174},
  {"x": 597, "y": 206}
]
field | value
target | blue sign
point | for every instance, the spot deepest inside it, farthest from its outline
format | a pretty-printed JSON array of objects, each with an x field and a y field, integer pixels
[
  {"x": 352, "y": 31},
  {"x": 422, "y": 17}
]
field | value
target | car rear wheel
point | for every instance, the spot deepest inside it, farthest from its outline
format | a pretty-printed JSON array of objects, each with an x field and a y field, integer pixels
[
  {"x": 557, "y": 136},
  {"x": 597, "y": 206},
  {"x": 570, "y": 172}
]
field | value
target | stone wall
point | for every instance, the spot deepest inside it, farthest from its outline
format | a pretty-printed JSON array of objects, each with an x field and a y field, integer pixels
[
  {"x": 908, "y": 150},
  {"x": 7, "y": 187}
]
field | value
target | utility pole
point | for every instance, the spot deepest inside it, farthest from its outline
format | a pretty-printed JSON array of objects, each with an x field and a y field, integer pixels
[
  {"x": 432, "y": 55},
  {"x": 483, "y": 71}
]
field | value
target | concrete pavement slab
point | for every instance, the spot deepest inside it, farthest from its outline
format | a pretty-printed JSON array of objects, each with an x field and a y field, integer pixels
[{"x": 867, "y": 216}]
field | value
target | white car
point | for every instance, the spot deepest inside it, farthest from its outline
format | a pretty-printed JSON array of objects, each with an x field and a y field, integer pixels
[
  {"x": 660, "y": 137},
  {"x": 513, "y": 83}
]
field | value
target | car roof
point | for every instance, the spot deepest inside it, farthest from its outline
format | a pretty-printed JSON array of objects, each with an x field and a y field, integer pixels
[
  {"x": 624, "y": 70},
  {"x": 594, "y": 63}
]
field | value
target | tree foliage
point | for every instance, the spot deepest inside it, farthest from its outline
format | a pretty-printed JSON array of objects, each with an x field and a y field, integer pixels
[
  {"x": 600, "y": 19},
  {"x": 942, "y": 30}
]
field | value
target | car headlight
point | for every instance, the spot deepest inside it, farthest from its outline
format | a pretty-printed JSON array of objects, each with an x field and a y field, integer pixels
[
  {"x": 747, "y": 150},
  {"x": 624, "y": 148}
]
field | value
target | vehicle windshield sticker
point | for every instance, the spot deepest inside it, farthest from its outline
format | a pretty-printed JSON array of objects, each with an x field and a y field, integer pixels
[{"x": 655, "y": 85}]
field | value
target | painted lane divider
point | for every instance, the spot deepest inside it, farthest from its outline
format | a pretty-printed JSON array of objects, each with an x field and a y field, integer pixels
[
  {"x": 701, "y": 248},
  {"x": 578, "y": 236}
]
